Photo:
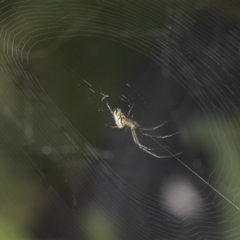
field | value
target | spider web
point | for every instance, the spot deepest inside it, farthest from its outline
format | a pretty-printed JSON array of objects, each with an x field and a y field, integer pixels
[{"x": 65, "y": 174}]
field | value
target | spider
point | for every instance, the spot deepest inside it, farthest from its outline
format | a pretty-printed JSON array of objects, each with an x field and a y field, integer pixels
[{"x": 122, "y": 121}]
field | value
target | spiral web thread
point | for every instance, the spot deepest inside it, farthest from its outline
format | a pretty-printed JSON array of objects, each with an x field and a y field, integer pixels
[{"x": 27, "y": 28}]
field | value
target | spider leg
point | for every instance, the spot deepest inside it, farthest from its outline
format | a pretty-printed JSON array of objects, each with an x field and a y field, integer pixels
[
  {"x": 135, "y": 139},
  {"x": 150, "y": 129},
  {"x": 111, "y": 126},
  {"x": 154, "y": 136},
  {"x": 130, "y": 109},
  {"x": 109, "y": 108}
]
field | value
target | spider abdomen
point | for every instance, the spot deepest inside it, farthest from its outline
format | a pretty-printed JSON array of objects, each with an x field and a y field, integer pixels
[
  {"x": 119, "y": 118},
  {"x": 122, "y": 121}
]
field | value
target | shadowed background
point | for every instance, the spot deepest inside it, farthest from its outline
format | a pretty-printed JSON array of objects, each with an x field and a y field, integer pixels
[{"x": 65, "y": 174}]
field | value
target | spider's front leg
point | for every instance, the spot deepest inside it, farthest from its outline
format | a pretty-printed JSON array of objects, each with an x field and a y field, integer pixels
[
  {"x": 109, "y": 108},
  {"x": 111, "y": 126}
]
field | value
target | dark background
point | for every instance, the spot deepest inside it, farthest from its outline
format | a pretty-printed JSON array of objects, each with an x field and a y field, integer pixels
[{"x": 65, "y": 174}]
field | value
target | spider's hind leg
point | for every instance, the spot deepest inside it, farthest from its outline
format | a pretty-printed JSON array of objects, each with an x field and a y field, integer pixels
[
  {"x": 148, "y": 150},
  {"x": 135, "y": 139},
  {"x": 150, "y": 129},
  {"x": 155, "y": 136}
]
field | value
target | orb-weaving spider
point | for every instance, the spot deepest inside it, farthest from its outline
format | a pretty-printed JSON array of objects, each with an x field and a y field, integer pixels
[{"x": 122, "y": 121}]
